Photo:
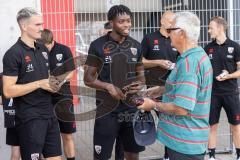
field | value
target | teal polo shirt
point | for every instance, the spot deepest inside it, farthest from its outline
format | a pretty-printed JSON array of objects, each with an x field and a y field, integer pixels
[{"x": 188, "y": 86}]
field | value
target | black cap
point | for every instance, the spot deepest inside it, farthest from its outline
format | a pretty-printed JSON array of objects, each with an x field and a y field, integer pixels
[{"x": 144, "y": 128}]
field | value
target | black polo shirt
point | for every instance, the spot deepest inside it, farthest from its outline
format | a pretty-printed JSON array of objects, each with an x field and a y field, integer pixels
[
  {"x": 155, "y": 46},
  {"x": 224, "y": 57},
  {"x": 29, "y": 65},
  {"x": 60, "y": 62},
  {"x": 116, "y": 63}
]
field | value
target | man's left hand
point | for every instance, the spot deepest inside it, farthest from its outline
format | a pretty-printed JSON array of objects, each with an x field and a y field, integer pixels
[
  {"x": 225, "y": 77},
  {"x": 147, "y": 105}
]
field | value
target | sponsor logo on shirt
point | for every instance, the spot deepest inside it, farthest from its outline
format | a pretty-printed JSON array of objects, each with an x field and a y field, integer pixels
[
  {"x": 156, "y": 47},
  {"x": 230, "y": 50},
  {"x": 230, "y": 56},
  {"x": 108, "y": 59},
  {"x": 10, "y": 112},
  {"x": 10, "y": 103},
  {"x": 30, "y": 68},
  {"x": 59, "y": 57},
  {"x": 237, "y": 117},
  {"x": 106, "y": 51},
  {"x": 210, "y": 56},
  {"x": 210, "y": 50},
  {"x": 134, "y": 59},
  {"x": 27, "y": 59},
  {"x": 59, "y": 64},
  {"x": 210, "y": 53}
]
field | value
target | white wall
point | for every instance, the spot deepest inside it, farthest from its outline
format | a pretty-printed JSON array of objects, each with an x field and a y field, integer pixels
[
  {"x": 9, "y": 32},
  {"x": 8, "y": 27}
]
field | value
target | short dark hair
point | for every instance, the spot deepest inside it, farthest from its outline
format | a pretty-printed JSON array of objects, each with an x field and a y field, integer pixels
[
  {"x": 46, "y": 37},
  {"x": 107, "y": 25},
  {"x": 117, "y": 10}
]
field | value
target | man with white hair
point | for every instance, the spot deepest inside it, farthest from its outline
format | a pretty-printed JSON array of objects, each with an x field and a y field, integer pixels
[
  {"x": 183, "y": 125},
  {"x": 159, "y": 55},
  {"x": 25, "y": 79}
]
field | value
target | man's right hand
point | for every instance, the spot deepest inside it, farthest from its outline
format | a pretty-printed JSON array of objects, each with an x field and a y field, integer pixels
[
  {"x": 165, "y": 64},
  {"x": 48, "y": 85},
  {"x": 115, "y": 92}
]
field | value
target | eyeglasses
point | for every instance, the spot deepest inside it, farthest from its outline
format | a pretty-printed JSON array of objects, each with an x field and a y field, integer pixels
[{"x": 171, "y": 29}]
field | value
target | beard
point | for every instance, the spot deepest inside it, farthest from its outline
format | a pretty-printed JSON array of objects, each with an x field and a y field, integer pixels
[{"x": 121, "y": 34}]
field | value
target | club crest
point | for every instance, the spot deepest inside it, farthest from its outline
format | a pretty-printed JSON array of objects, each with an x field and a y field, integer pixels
[
  {"x": 230, "y": 50},
  {"x": 45, "y": 55},
  {"x": 134, "y": 51},
  {"x": 59, "y": 57},
  {"x": 35, "y": 156},
  {"x": 98, "y": 149}
]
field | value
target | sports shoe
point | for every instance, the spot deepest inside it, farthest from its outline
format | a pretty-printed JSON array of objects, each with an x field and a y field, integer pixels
[
  {"x": 165, "y": 158},
  {"x": 211, "y": 158}
]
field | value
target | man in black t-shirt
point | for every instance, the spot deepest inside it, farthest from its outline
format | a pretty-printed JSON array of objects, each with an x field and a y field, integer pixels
[
  {"x": 25, "y": 79},
  {"x": 62, "y": 65},
  {"x": 225, "y": 58},
  {"x": 119, "y": 152},
  {"x": 114, "y": 61},
  {"x": 159, "y": 55}
]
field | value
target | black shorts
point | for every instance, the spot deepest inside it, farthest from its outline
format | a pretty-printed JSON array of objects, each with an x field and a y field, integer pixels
[
  {"x": 12, "y": 137},
  {"x": 39, "y": 136},
  {"x": 230, "y": 103},
  {"x": 67, "y": 127},
  {"x": 64, "y": 110},
  {"x": 108, "y": 128},
  {"x": 173, "y": 155}
]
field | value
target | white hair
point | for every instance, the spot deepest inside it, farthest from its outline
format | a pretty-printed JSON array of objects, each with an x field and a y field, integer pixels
[
  {"x": 190, "y": 23},
  {"x": 26, "y": 13}
]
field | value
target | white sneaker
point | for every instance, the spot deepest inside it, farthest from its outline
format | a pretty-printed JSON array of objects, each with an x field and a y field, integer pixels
[
  {"x": 211, "y": 158},
  {"x": 165, "y": 158}
]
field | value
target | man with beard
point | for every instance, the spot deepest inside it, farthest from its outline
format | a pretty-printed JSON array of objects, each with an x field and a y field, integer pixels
[{"x": 117, "y": 47}]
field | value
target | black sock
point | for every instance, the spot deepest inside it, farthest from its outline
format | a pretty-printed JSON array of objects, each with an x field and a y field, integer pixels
[
  {"x": 211, "y": 152},
  {"x": 165, "y": 153},
  {"x": 238, "y": 152},
  {"x": 73, "y": 158}
]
